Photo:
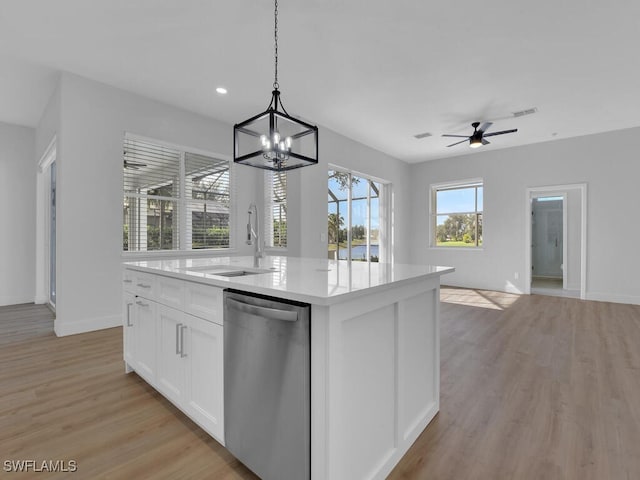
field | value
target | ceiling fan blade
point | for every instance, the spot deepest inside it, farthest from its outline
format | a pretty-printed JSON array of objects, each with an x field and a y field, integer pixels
[
  {"x": 485, "y": 126},
  {"x": 485, "y": 142},
  {"x": 500, "y": 133},
  {"x": 457, "y": 143},
  {"x": 459, "y": 136},
  {"x": 128, "y": 164}
]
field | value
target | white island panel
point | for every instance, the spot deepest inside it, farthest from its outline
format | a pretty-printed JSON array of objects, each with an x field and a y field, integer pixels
[{"x": 375, "y": 374}]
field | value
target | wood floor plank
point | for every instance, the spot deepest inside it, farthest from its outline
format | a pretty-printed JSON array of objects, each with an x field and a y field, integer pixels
[{"x": 532, "y": 387}]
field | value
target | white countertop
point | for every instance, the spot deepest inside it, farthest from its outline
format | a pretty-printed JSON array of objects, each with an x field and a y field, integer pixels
[{"x": 310, "y": 280}]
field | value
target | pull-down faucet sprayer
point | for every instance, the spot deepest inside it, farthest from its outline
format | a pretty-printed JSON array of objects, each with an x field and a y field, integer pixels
[{"x": 254, "y": 235}]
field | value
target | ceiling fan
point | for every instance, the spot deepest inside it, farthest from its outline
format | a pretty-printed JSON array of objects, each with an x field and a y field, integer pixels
[
  {"x": 134, "y": 165},
  {"x": 477, "y": 138}
]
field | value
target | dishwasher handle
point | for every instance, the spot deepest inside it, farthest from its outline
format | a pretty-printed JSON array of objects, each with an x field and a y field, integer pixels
[{"x": 264, "y": 312}]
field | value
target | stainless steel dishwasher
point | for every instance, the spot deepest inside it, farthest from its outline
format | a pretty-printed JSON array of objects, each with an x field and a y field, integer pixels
[{"x": 267, "y": 385}]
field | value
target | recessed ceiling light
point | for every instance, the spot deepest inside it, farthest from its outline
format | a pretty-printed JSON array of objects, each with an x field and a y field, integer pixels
[
  {"x": 528, "y": 111},
  {"x": 422, "y": 135},
  {"x": 221, "y": 90}
]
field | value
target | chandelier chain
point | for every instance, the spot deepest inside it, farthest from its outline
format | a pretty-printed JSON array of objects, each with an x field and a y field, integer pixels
[{"x": 275, "y": 37}]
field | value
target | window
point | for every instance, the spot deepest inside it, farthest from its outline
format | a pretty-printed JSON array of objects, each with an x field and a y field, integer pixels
[
  {"x": 356, "y": 221},
  {"x": 457, "y": 215},
  {"x": 276, "y": 209},
  {"x": 173, "y": 199}
]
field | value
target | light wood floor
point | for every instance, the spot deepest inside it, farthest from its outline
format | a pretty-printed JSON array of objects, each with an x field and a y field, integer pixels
[{"x": 532, "y": 387}]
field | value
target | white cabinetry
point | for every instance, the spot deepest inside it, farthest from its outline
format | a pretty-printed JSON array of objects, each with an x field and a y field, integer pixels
[
  {"x": 144, "y": 338},
  {"x": 172, "y": 367},
  {"x": 203, "y": 350},
  {"x": 178, "y": 353},
  {"x": 127, "y": 329},
  {"x": 139, "y": 335}
]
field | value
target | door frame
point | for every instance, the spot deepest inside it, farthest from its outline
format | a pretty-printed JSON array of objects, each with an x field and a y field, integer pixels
[
  {"x": 533, "y": 192},
  {"x": 43, "y": 223},
  {"x": 565, "y": 254}
]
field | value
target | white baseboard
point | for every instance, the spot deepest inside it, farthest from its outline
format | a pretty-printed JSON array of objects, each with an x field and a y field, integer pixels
[
  {"x": 63, "y": 329},
  {"x": 613, "y": 297}
]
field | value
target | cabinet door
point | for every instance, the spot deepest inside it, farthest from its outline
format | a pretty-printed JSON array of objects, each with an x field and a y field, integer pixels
[
  {"x": 204, "y": 344},
  {"x": 128, "y": 343},
  {"x": 172, "y": 360},
  {"x": 144, "y": 331}
]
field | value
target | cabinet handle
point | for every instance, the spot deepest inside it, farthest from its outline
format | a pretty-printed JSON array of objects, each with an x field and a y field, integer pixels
[
  {"x": 178, "y": 342},
  {"x": 182, "y": 329},
  {"x": 129, "y": 324},
  {"x": 127, "y": 281},
  {"x": 142, "y": 304},
  {"x": 142, "y": 285}
]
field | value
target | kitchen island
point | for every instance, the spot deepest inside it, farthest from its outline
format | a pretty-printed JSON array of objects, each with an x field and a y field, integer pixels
[{"x": 374, "y": 347}]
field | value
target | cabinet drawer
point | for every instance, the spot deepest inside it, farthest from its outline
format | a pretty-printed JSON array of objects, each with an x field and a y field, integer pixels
[
  {"x": 204, "y": 301},
  {"x": 169, "y": 291},
  {"x": 144, "y": 284},
  {"x": 127, "y": 281}
]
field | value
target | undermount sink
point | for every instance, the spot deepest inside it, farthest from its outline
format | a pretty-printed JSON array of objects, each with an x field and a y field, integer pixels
[
  {"x": 238, "y": 273},
  {"x": 229, "y": 270}
]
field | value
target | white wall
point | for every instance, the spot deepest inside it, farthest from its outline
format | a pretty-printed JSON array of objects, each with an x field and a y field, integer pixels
[
  {"x": 17, "y": 214},
  {"x": 607, "y": 162},
  {"x": 93, "y": 120},
  {"x": 307, "y": 194}
]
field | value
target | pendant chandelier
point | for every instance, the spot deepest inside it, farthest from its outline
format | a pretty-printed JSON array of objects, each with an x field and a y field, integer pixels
[{"x": 274, "y": 140}]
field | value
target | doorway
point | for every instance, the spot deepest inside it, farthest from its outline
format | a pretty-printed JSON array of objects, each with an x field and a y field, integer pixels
[
  {"x": 46, "y": 213},
  {"x": 556, "y": 240},
  {"x": 548, "y": 252},
  {"x": 52, "y": 235}
]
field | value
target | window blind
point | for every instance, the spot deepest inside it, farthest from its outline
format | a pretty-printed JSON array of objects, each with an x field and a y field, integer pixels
[
  {"x": 207, "y": 201},
  {"x": 173, "y": 200},
  {"x": 276, "y": 209}
]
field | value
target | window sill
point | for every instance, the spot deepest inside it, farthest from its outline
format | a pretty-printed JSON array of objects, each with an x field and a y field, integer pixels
[{"x": 461, "y": 249}]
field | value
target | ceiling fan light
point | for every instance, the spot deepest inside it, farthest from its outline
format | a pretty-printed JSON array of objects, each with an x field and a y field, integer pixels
[{"x": 475, "y": 143}]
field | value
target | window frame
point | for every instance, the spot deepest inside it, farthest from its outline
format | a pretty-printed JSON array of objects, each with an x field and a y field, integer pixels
[
  {"x": 385, "y": 250},
  {"x": 181, "y": 203},
  {"x": 269, "y": 177},
  {"x": 433, "y": 212}
]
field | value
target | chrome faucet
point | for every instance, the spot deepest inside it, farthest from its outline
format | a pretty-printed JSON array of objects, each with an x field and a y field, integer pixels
[{"x": 254, "y": 236}]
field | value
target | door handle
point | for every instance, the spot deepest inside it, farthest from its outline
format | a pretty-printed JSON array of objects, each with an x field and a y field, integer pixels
[
  {"x": 264, "y": 312},
  {"x": 178, "y": 343},
  {"x": 182, "y": 330}
]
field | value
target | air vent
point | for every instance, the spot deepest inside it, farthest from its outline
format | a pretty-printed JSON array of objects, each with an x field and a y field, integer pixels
[
  {"x": 528, "y": 111},
  {"x": 422, "y": 135}
]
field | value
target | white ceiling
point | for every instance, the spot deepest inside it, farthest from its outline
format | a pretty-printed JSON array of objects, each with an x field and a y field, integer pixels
[{"x": 374, "y": 70}]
